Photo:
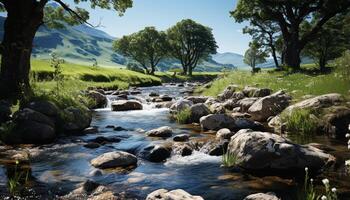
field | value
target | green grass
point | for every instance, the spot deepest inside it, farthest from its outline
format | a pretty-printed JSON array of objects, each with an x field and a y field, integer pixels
[
  {"x": 183, "y": 116},
  {"x": 300, "y": 121},
  {"x": 86, "y": 76},
  {"x": 296, "y": 84},
  {"x": 229, "y": 159}
]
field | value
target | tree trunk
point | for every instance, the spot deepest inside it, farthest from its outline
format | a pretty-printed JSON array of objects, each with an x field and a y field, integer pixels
[
  {"x": 23, "y": 20},
  {"x": 292, "y": 53},
  {"x": 274, "y": 55},
  {"x": 322, "y": 63},
  {"x": 190, "y": 71}
]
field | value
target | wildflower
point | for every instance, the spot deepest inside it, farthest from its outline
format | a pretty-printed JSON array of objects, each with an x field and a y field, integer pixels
[
  {"x": 323, "y": 198},
  {"x": 334, "y": 190},
  {"x": 312, "y": 180},
  {"x": 349, "y": 146},
  {"x": 17, "y": 162},
  {"x": 347, "y": 135},
  {"x": 325, "y": 181},
  {"x": 347, "y": 162},
  {"x": 306, "y": 169}
]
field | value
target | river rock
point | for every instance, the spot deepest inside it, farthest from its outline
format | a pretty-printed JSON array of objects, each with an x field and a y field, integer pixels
[
  {"x": 76, "y": 120},
  {"x": 45, "y": 107},
  {"x": 165, "y": 98},
  {"x": 5, "y": 111},
  {"x": 181, "y": 105},
  {"x": 262, "y": 196},
  {"x": 197, "y": 111},
  {"x": 182, "y": 149},
  {"x": 246, "y": 103},
  {"x": 163, "y": 132},
  {"x": 126, "y": 105},
  {"x": 256, "y": 92},
  {"x": 157, "y": 153},
  {"x": 230, "y": 104},
  {"x": 224, "y": 133},
  {"x": 90, "y": 130},
  {"x": 178, "y": 194},
  {"x": 217, "y": 108},
  {"x": 100, "y": 99},
  {"x": 337, "y": 118},
  {"x": 263, "y": 151},
  {"x": 269, "y": 106},
  {"x": 318, "y": 102},
  {"x": 197, "y": 99},
  {"x": 217, "y": 122},
  {"x": 114, "y": 159},
  {"x": 228, "y": 92},
  {"x": 105, "y": 140},
  {"x": 181, "y": 138},
  {"x": 153, "y": 94},
  {"x": 210, "y": 101}
]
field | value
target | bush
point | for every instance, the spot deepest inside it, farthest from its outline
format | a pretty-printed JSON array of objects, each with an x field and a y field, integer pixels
[
  {"x": 301, "y": 121},
  {"x": 183, "y": 116}
]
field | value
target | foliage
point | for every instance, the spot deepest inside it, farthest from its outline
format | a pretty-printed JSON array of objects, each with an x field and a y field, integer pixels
[
  {"x": 343, "y": 65},
  {"x": 301, "y": 121},
  {"x": 57, "y": 74},
  {"x": 190, "y": 43},
  {"x": 255, "y": 55},
  {"x": 330, "y": 42},
  {"x": 229, "y": 159},
  {"x": 183, "y": 116},
  {"x": 147, "y": 47},
  {"x": 14, "y": 182},
  {"x": 134, "y": 67},
  {"x": 289, "y": 15}
]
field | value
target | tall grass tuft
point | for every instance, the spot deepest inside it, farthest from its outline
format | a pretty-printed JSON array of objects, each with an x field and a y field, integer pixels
[
  {"x": 15, "y": 182},
  {"x": 301, "y": 121},
  {"x": 229, "y": 159},
  {"x": 183, "y": 116}
]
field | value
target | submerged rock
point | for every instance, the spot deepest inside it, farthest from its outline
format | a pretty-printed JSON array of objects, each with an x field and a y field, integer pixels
[
  {"x": 267, "y": 152},
  {"x": 181, "y": 138},
  {"x": 114, "y": 159},
  {"x": 126, "y": 105},
  {"x": 178, "y": 194},
  {"x": 262, "y": 196},
  {"x": 163, "y": 132}
]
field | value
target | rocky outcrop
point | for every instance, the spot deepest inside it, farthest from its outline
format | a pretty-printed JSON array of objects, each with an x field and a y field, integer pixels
[
  {"x": 256, "y": 92},
  {"x": 267, "y": 152},
  {"x": 99, "y": 99},
  {"x": 246, "y": 103},
  {"x": 126, "y": 105},
  {"x": 76, "y": 120},
  {"x": 197, "y": 111},
  {"x": 114, "y": 159},
  {"x": 163, "y": 132},
  {"x": 197, "y": 99},
  {"x": 262, "y": 196},
  {"x": 218, "y": 121},
  {"x": 178, "y": 194},
  {"x": 269, "y": 106},
  {"x": 228, "y": 92}
]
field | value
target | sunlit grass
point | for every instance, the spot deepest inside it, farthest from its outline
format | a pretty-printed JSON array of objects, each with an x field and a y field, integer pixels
[
  {"x": 229, "y": 159},
  {"x": 183, "y": 116},
  {"x": 300, "y": 121}
]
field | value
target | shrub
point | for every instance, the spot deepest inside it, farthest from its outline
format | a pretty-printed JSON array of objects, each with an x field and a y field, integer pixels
[
  {"x": 229, "y": 159},
  {"x": 183, "y": 116},
  {"x": 301, "y": 121},
  {"x": 135, "y": 67}
]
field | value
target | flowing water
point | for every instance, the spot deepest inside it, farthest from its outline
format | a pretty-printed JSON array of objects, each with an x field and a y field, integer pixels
[{"x": 58, "y": 168}]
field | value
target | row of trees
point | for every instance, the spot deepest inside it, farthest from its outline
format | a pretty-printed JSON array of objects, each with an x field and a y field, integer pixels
[
  {"x": 291, "y": 28},
  {"x": 187, "y": 41}
]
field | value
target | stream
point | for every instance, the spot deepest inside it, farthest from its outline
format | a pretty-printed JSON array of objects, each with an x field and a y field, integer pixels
[{"x": 63, "y": 165}]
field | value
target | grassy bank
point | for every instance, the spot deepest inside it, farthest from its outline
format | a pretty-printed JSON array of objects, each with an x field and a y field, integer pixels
[
  {"x": 297, "y": 84},
  {"x": 80, "y": 76}
]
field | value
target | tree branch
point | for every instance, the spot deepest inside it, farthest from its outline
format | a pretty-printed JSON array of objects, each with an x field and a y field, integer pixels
[{"x": 73, "y": 13}]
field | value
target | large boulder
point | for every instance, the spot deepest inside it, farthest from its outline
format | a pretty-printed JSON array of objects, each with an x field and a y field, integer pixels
[
  {"x": 256, "y": 92},
  {"x": 217, "y": 122},
  {"x": 126, "y": 105},
  {"x": 197, "y": 99},
  {"x": 31, "y": 127},
  {"x": 197, "y": 111},
  {"x": 246, "y": 103},
  {"x": 45, "y": 107},
  {"x": 316, "y": 103},
  {"x": 164, "y": 132},
  {"x": 76, "y": 120},
  {"x": 100, "y": 99},
  {"x": 181, "y": 105},
  {"x": 262, "y": 196},
  {"x": 114, "y": 159},
  {"x": 178, "y": 194},
  {"x": 269, "y": 106},
  {"x": 267, "y": 152},
  {"x": 337, "y": 120}
]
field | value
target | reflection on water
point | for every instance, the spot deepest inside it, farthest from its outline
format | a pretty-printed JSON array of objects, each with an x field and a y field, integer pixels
[{"x": 59, "y": 168}]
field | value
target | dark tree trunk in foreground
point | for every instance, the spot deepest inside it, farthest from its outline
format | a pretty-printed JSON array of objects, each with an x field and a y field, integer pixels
[
  {"x": 23, "y": 20},
  {"x": 292, "y": 52}
]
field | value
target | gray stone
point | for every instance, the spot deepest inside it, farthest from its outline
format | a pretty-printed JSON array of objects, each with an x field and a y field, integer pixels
[
  {"x": 126, "y": 105},
  {"x": 197, "y": 111},
  {"x": 163, "y": 132},
  {"x": 114, "y": 159},
  {"x": 178, "y": 194},
  {"x": 262, "y": 196}
]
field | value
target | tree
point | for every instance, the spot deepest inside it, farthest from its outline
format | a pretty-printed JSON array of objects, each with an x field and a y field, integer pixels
[
  {"x": 266, "y": 33},
  {"x": 289, "y": 15},
  {"x": 190, "y": 43},
  {"x": 330, "y": 42},
  {"x": 254, "y": 55},
  {"x": 24, "y": 17},
  {"x": 147, "y": 47}
]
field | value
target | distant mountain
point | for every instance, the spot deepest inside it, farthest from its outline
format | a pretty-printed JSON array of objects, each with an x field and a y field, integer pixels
[
  {"x": 230, "y": 58},
  {"x": 83, "y": 45}
]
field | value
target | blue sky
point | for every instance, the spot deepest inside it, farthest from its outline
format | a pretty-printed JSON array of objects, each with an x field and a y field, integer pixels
[{"x": 164, "y": 13}]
